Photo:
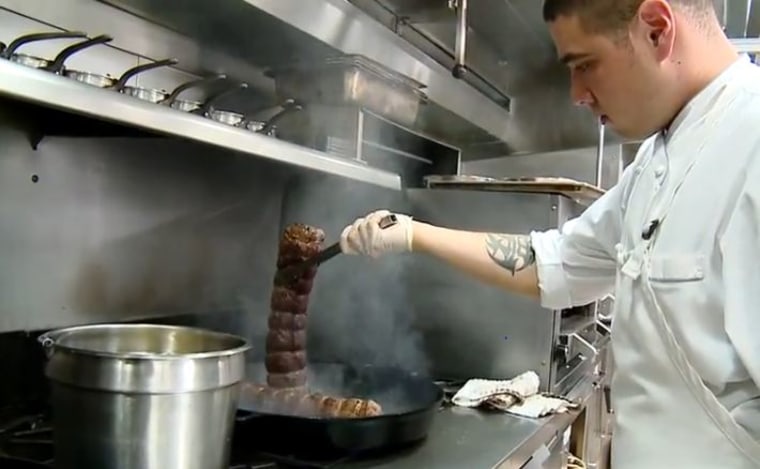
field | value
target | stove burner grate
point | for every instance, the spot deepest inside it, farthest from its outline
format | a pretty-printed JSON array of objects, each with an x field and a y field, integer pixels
[{"x": 28, "y": 438}]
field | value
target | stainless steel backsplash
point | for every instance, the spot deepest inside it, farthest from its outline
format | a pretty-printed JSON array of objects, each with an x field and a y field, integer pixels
[{"x": 101, "y": 229}]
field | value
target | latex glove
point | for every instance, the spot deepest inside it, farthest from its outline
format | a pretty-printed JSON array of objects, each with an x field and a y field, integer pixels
[{"x": 365, "y": 236}]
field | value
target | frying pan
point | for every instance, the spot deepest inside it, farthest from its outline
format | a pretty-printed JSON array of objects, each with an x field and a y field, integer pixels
[{"x": 409, "y": 401}]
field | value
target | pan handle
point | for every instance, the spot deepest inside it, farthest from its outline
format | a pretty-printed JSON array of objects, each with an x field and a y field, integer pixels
[
  {"x": 47, "y": 342},
  {"x": 27, "y": 38},
  {"x": 207, "y": 106},
  {"x": 124, "y": 78},
  {"x": 288, "y": 107},
  {"x": 191, "y": 84},
  {"x": 57, "y": 64}
]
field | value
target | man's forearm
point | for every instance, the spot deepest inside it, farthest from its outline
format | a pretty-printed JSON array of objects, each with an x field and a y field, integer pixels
[{"x": 504, "y": 260}]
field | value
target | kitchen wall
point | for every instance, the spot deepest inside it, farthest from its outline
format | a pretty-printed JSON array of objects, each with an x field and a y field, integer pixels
[
  {"x": 114, "y": 228},
  {"x": 107, "y": 226}
]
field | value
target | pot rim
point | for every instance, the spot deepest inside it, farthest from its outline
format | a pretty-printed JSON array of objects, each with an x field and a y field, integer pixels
[{"x": 51, "y": 341}]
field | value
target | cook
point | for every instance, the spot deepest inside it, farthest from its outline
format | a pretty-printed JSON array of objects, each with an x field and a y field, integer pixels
[{"x": 677, "y": 239}]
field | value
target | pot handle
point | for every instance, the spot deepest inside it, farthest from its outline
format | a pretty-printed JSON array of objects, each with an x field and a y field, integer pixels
[
  {"x": 288, "y": 107},
  {"x": 122, "y": 81},
  {"x": 208, "y": 104},
  {"x": 56, "y": 66},
  {"x": 47, "y": 343},
  {"x": 191, "y": 84},
  {"x": 21, "y": 40}
]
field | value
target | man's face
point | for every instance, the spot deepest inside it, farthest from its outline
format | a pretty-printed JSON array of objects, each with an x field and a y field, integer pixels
[{"x": 619, "y": 78}]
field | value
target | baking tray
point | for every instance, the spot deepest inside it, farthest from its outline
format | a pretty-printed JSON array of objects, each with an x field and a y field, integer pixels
[{"x": 581, "y": 192}]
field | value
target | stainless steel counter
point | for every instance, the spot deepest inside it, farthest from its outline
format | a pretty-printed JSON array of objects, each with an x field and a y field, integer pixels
[{"x": 476, "y": 439}]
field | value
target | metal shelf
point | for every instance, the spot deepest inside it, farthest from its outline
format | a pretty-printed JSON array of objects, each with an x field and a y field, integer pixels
[{"x": 62, "y": 93}]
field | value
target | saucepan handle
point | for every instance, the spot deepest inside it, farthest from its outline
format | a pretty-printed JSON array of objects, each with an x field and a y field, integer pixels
[
  {"x": 191, "y": 84},
  {"x": 124, "y": 78},
  {"x": 47, "y": 342},
  {"x": 56, "y": 66},
  {"x": 20, "y": 41}
]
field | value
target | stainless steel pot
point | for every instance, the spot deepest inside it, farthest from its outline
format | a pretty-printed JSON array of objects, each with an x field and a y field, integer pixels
[{"x": 143, "y": 396}]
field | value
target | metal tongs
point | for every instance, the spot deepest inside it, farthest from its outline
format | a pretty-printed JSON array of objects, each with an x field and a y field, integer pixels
[{"x": 294, "y": 271}]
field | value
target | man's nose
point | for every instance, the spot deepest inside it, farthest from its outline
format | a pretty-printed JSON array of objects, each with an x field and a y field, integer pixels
[{"x": 580, "y": 93}]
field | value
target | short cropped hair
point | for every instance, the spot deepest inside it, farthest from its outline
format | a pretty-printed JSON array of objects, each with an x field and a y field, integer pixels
[{"x": 608, "y": 16}]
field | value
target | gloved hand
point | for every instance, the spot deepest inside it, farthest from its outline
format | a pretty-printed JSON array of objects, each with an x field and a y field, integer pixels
[{"x": 365, "y": 236}]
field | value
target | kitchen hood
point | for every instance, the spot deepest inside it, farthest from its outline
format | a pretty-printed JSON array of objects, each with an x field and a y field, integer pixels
[{"x": 512, "y": 99}]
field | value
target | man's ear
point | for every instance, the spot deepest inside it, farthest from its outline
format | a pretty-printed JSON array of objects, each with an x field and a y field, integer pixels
[{"x": 657, "y": 20}]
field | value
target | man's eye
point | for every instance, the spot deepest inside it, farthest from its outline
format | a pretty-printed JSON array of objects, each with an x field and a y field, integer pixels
[{"x": 582, "y": 67}]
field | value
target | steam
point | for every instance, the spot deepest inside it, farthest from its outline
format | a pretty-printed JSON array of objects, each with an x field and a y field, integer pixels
[{"x": 359, "y": 309}]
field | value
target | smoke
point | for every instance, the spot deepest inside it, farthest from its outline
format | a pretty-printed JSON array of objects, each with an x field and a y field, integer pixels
[{"x": 359, "y": 311}]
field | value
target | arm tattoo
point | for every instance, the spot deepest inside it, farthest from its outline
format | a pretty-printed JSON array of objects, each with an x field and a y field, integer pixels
[{"x": 512, "y": 252}]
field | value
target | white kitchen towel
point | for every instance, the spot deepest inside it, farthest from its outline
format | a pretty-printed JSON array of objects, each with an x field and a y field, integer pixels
[
  {"x": 518, "y": 396},
  {"x": 477, "y": 391},
  {"x": 537, "y": 405}
]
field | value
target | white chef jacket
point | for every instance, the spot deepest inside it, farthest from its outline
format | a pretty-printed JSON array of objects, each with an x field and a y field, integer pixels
[{"x": 700, "y": 270}]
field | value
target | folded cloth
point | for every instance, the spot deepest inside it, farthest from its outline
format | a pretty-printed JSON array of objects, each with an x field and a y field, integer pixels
[
  {"x": 477, "y": 391},
  {"x": 518, "y": 396},
  {"x": 538, "y": 405}
]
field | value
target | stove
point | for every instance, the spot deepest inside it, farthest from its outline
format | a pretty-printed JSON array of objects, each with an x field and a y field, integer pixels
[
  {"x": 26, "y": 429},
  {"x": 26, "y": 442}
]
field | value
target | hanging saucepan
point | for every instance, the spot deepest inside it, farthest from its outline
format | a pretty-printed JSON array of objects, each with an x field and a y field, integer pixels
[
  {"x": 106, "y": 81},
  {"x": 9, "y": 51},
  {"x": 237, "y": 119},
  {"x": 56, "y": 65},
  {"x": 268, "y": 127},
  {"x": 225, "y": 117},
  {"x": 409, "y": 404},
  {"x": 188, "y": 105},
  {"x": 145, "y": 94}
]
